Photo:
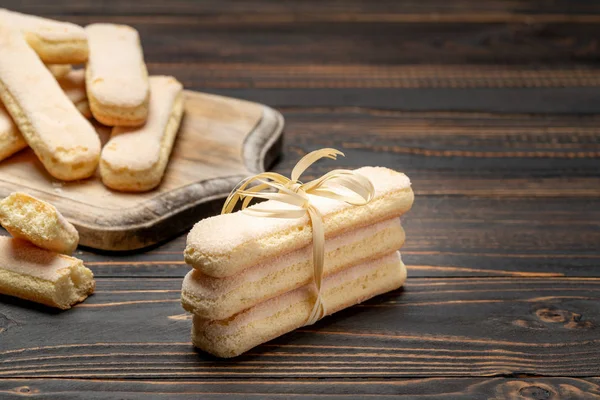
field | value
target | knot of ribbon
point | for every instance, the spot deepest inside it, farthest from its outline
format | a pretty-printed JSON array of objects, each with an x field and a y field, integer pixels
[{"x": 340, "y": 184}]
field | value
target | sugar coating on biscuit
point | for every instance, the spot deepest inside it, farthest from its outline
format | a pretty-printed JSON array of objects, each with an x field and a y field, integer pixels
[
  {"x": 73, "y": 84},
  {"x": 277, "y": 316},
  {"x": 61, "y": 137},
  {"x": 39, "y": 222},
  {"x": 42, "y": 276},
  {"x": 115, "y": 65},
  {"x": 218, "y": 298},
  {"x": 50, "y": 29},
  {"x": 135, "y": 158},
  {"x": 11, "y": 140},
  {"x": 226, "y": 244},
  {"x": 117, "y": 79},
  {"x": 54, "y": 41}
]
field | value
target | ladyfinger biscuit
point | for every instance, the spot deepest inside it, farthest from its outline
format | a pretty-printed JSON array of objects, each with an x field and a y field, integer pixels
[
  {"x": 11, "y": 139},
  {"x": 135, "y": 159},
  {"x": 282, "y": 314},
  {"x": 55, "y": 42},
  {"x": 64, "y": 141},
  {"x": 40, "y": 275},
  {"x": 73, "y": 84},
  {"x": 59, "y": 70},
  {"x": 220, "y": 298},
  {"x": 116, "y": 75},
  {"x": 28, "y": 218},
  {"x": 224, "y": 245}
]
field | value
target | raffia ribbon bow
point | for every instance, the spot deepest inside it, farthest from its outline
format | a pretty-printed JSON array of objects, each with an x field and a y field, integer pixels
[{"x": 340, "y": 184}]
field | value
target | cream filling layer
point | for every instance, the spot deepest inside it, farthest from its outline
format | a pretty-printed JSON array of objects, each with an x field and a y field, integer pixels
[
  {"x": 307, "y": 293},
  {"x": 219, "y": 298}
]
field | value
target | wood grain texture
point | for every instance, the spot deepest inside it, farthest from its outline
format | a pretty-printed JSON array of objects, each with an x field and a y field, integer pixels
[
  {"x": 447, "y": 236},
  {"x": 497, "y": 9},
  {"x": 264, "y": 33},
  {"x": 259, "y": 40},
  {"x": 364, "y": 76},
  {"x": 490, "y": 107},
  {"x": 565, "y": 89},
  {"x": 428, "y": 389},
  {"x": 451, "y": 153},
  {"x": 433, "y": 327},
  {"x": 220, "y": 141}
]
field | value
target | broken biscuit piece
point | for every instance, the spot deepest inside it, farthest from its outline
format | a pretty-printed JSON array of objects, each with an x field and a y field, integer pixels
[
  {"x": 31, "y": 273},
  {"x": 28, "y": 218}
]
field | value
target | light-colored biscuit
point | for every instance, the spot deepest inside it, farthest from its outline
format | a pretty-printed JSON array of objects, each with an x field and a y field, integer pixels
[
  {"x": 73, "y": 84},
  {"x": 55, "y": 42},
  {"x": 116, "y": 75},
  {"x": 11, "y": 140},
  {"x": 59, "y": 70},
  {"x": 220, "y": 298},
  {"x": 275, "y": 317},
  {"x": 224, "y": 245},
  {"x": 40, "y": 275},
  {"x": 64, "y": 141},
  {"x": 135, "y": 159},
  {"x": 26, "y": 217}
]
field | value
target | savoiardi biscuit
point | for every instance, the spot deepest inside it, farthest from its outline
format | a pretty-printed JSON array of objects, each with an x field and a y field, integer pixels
[
  {"x": 42, "y": 276},
  {"x": 37, "y": 221},
  {"x": 116, "y": 75},
  {"x": 64, "y": 141},
  {"x": 55, "y": 42},
  {"x": 135, "y": 158}
]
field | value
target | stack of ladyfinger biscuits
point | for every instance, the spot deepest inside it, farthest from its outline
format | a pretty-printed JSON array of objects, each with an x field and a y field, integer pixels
[
  {"x": 35, "y": 263},
  {"x": 46, "y": 104},
  {"x": 252, "y": 277}
]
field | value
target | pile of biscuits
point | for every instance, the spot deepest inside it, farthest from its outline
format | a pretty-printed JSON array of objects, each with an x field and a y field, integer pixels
[
  {"x": 46, "y": 103},
  {"x": 35, "y": 264},
  {"x": 252, "y": 277}
]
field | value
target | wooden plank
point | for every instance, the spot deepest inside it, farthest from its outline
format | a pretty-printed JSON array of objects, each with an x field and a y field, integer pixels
[
  {"x": 451, "y": 153},
  {"x": 467, "y": 327},
  {"x": 567, "y": 100},
  {"x": 436, "y": 8},
  {"x": 448, "y": 236},
  {"x": 486, "y": 88},
  {"x": 426, "y": 389},
  {"x": 513, "y": 196},
  {"x": 261, "y": 40},
  {"x": 221, "y": 75}
]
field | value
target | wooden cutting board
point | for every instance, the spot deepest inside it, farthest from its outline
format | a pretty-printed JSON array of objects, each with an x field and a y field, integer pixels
[{"x": 221, "y": 140}]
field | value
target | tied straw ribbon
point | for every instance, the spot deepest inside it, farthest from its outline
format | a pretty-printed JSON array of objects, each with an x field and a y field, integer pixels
[{"x": 340, "y": 184}]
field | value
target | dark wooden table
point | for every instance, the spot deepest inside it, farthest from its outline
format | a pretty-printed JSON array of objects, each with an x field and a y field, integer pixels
[{"x": 491, "y": 107}]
